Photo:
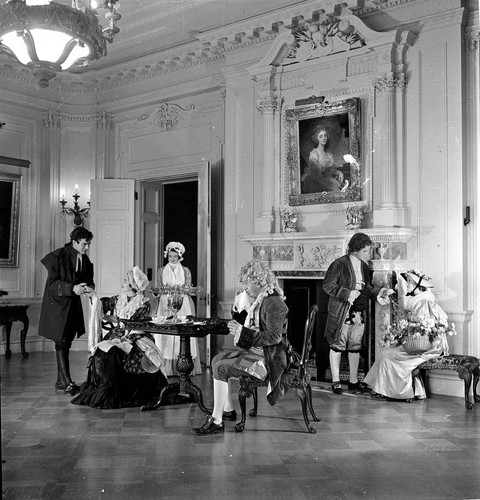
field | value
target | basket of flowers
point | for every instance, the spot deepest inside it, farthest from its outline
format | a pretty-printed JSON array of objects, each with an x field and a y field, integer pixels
[
  {"x": 415, "y": 337},
  {"x": 416, "y": 344}
]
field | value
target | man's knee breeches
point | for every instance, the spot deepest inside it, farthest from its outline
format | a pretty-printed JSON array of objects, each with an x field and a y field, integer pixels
[{"x": 351, "y": 336}]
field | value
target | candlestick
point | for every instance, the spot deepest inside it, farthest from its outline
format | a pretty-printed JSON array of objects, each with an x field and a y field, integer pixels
[{"x": 79, "y": 214}]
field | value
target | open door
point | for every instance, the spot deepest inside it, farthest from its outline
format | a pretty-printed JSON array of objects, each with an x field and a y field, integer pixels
[
  {"x": 204, "y": 258},
  {"x": 151, "y": 238},
  {"x": 112, "y": 216}
]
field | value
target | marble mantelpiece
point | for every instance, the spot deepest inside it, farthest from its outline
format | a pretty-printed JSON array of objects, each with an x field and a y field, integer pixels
[{"x": 308, "y": 255}]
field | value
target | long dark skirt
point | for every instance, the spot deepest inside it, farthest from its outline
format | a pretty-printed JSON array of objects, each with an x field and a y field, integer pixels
[{"x": 109, "y": 385}]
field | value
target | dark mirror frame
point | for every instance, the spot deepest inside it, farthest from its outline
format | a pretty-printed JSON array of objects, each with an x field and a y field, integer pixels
[{"x": 9, "y": 219}]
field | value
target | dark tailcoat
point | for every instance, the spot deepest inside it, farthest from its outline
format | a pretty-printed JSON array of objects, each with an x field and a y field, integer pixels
[
  {"x": 272, "y": 336},
  {"x": 338, "y": 283},
  {"x": 59, "y": 300}
]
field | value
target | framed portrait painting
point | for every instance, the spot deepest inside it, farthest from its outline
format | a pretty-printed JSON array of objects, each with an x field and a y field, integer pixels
[
  {"x": 323, "y": 153},
  {"x": 9, "y": 219}
]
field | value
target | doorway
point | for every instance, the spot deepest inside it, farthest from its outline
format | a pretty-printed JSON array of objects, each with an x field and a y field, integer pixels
[{"x": 170, "y": 210}]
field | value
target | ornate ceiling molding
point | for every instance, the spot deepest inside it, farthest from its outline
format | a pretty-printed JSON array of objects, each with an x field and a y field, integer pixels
[{"x": 302, "y": 21}]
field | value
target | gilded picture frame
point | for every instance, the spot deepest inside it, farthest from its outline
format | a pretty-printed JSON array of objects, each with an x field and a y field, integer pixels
[
  {"x": 9, "y": 219},
  {"x": 322, "y": 153}
]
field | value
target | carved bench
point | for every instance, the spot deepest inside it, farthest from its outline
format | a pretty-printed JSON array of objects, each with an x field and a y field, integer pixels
[{"x": 467, "y": 367}]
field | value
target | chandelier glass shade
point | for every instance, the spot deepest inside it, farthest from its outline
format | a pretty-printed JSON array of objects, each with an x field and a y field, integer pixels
[{"x": 52, "y": 37}]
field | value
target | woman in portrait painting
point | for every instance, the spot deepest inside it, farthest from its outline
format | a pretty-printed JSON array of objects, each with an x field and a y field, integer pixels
[{"x": 321, "y": 173}]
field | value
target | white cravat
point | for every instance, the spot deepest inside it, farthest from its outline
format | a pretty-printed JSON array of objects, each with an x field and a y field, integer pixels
[{"x": 79, "y": 262}]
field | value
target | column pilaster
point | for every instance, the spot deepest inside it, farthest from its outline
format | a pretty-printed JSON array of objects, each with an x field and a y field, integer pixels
[
  {"x": 390, "y": 210},
  {"x": 269, "y": 107},
  {"x": 472, "y": 141}
]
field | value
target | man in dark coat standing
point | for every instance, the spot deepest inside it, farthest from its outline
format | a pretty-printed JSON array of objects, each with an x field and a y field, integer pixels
[
  {"x": 347, "y": 282},
  {"x": 70, "y": 275}
]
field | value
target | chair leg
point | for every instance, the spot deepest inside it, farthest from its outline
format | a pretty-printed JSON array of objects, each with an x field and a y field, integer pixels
[
  {"x": 476, "y": 376},
  {"x": 254, "y": 410},
  {"x": 308, "y": 390},
  {"x": 242, "y": 395},
  {"x": 302, "y": 394}
]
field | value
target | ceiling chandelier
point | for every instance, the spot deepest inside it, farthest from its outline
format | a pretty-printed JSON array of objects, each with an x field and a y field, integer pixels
[{"x": 48, "y": 37}]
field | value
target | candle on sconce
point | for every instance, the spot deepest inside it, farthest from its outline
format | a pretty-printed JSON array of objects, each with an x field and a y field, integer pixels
[
  {"x": 62, "y": 196},
  {"x": 76, "y": 188}
]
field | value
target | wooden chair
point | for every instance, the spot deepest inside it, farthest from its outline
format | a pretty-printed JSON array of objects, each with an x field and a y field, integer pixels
[{"x": 300, "y": 381}]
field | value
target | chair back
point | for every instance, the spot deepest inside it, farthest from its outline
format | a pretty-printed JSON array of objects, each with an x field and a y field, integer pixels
[{"x": 307, "y": 339}]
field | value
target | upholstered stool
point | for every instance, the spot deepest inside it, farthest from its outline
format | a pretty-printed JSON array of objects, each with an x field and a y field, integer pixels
[{"x": 466, "y": 367}]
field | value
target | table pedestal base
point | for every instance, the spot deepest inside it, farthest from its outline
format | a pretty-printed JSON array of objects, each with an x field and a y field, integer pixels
[{"x": 184, "y": 386}]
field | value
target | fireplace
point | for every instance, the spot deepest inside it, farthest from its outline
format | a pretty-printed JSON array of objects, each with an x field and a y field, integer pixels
[
  {"x": 300, "y": 295},
  {"x": 300, "y": 260}
]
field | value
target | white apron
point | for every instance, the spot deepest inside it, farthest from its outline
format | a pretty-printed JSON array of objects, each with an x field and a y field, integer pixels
[{"x": 169, "y": 345}]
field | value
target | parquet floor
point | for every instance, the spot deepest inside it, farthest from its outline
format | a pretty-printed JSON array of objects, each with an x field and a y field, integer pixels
[{"x": 363, "y": 448}]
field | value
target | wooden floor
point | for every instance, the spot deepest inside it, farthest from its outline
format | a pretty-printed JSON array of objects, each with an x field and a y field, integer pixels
[{"x": 363, "y": 448}]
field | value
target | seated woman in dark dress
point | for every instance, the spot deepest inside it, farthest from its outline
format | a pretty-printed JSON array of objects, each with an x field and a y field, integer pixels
[{"x": 125, "y": 367}]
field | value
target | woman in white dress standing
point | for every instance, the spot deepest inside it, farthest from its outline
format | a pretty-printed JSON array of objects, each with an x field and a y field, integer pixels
[{"x": 173, "y": 274}]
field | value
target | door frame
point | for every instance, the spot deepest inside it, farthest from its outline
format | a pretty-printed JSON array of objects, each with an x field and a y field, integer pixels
[{"x": 199, "y": 171}]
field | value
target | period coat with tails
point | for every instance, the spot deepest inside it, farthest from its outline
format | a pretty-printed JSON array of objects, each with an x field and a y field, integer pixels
[
  {"x": 59, "y": 299},
  {"x": 272, "y": 337},
  {"x": 339, "y": 281}
]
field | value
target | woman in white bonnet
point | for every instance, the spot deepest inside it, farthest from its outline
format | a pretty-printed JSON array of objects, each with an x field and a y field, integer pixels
[
  {"x": 125, "y": 368},
  {"x": 391, "y": 374},
  {"x": 174, "y": 273}
]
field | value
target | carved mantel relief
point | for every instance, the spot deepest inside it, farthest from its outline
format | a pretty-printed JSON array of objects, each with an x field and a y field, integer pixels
[{"x": 308, "y": 255}]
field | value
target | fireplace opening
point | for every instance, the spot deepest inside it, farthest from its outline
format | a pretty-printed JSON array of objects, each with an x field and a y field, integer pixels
[{"x": 301, "y": 294}]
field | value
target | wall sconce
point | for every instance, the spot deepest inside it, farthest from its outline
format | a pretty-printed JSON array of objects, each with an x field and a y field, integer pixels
[{"x": 79, "y": 214}]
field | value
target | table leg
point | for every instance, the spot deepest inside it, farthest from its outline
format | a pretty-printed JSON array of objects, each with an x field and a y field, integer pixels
[
  {"x": 23, "y": 335},
  {"x": 174, "y": 388},
  {"x": 7, "y": 327}
]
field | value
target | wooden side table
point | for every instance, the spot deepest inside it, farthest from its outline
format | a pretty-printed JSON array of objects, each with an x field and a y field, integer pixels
[{"x": 9, "y": 314}]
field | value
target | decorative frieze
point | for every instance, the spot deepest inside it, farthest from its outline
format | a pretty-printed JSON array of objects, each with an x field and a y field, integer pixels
[
  {"x": 322, "y": 38},
  {"x": 308, "y": 255},
  {"x": 52, "y": 120},
  {"x": 167, "y": 116}
]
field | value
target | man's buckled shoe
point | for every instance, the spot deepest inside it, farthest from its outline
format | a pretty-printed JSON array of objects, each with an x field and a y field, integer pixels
[
  {"x": 337, "y": 388},
  {"x": 358, "y": 387},
  {"x": 230, "y": 415},
  {"x": 209, "y": 427}
]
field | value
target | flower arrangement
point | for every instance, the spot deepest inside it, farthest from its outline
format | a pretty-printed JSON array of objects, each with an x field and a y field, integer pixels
[{"x": 403, "y": 328}]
